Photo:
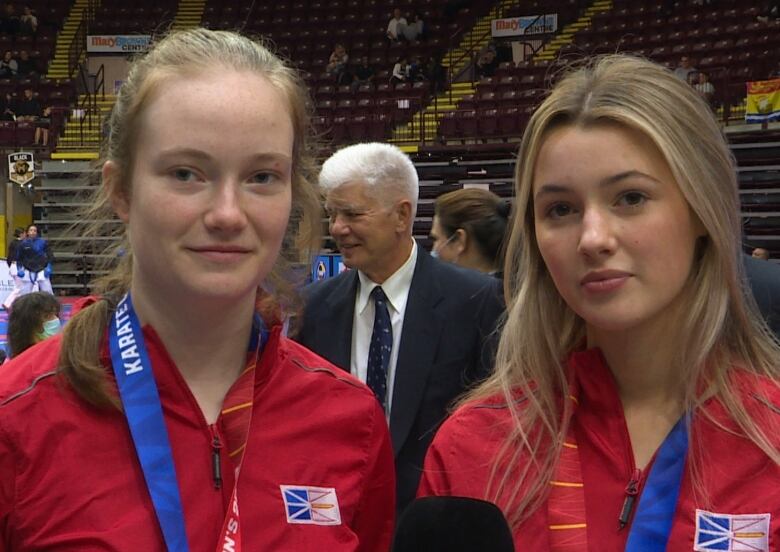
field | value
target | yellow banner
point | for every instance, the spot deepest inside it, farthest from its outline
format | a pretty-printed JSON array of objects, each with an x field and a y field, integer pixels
[{"x": 763, "y": 101}]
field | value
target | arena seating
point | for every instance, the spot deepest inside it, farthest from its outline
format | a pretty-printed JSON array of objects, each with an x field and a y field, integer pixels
[
  {"x": 727, "y": 42},
  {"x": 58, "y": 94},
  {"x": 477, "y": 142}
]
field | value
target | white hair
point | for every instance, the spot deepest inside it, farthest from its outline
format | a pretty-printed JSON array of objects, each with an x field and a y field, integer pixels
[{"x": 384, "y": 168}]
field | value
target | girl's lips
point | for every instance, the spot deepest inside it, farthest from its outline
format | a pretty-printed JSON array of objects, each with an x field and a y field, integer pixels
[
  {"x": 606, "y": 284},
  {"x": 220, "y": 254}
]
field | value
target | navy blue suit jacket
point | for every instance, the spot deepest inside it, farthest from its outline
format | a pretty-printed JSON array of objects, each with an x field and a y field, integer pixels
[
  {"x": 447, "y": 343},
  {"x": 764, "y": 279}
]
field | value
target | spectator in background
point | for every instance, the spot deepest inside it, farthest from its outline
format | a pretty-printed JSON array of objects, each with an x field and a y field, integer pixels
[
  {"x": 394, "y": 26},
  {"x": 692, "y": 78},
  {"x": 417, "y": 70},
  {"x": 436, "y": 73},
  {"x": 26, "y": 67},
  {"x": 28, "y": 108},
  {"x": 28, "y": 22},
  {"x": 42, "y": 125},
  {"x": 362, "y": 74},
  {"x": 8, "y": 65},
  {"x": 13, "y": 253},
  {"x": 417, "y": 330},
  {"x": 684, "y": 69},
  {"x": 487, "y": 63},
  {"x": 400, "y": 71},
  {"x": 469, "y": 227},
  {"x": 33, "y": 262},
  {"x": 8, "y": 108},
  {"x": 337, "y": 63},
  {"x": 34, "y": 317},
  {"x": 413, "y": 31},
  {"x": 760, "y": 253},
  {"x": 9, "y": 21},
  {"x": 705, "y": 88}
]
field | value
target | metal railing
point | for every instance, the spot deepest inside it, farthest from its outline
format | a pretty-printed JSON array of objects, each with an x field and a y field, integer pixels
[
  {"x": 79, "y": 43},
  {"x": 87, "y": 111}
]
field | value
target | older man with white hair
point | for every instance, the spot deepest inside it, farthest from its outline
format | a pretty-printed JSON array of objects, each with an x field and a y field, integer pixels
[{"x": 418, "y": 331}]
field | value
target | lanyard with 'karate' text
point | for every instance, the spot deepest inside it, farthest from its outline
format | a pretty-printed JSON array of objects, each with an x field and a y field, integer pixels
[{"x": 143, "y": 410}]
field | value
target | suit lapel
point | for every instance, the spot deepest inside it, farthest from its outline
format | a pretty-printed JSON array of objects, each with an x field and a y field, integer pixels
[
  {"x": 336, "y": 321},
  {"x": 419, "y": 340}
]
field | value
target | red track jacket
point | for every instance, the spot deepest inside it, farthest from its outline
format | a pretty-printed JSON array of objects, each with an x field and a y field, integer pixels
[
  {"x": 70, "y": 478},
  {"x": 738, "y": 477}
]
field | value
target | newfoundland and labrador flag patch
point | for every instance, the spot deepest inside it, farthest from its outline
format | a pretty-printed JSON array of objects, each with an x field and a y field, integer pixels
[
  {"x": 311, "y": 505},
  {"x": 735, "y": 533}
]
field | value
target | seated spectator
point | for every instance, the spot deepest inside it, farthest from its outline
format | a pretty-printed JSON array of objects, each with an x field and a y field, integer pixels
[
  {"x": 9, "y": 22},
  {"x": 26, "y": 67},
  {"x": 337, "y": 62},
  {"x": 413, "y": 31},
  {"x": 393, "y": 30},
  {"x": 8, "y": 108},
  {"x": 362, "y": 74},
  {"x": 704, "y": 87},
  {"x": 684, "y": 69},
  {"x": 417, "y": 70},
  {"x": 8, "y": 65},
  {"x": 28, "y": 22},
  {"x": 487, "y": 63},
  {"x": 400, "y": 71},
  {"x": 28, "y": 109},
  {"x": 34, "y": 317},
  {"x": 42, "y": 125}
]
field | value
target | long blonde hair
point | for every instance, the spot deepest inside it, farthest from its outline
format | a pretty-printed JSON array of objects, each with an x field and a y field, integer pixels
[
  {"x": 178, "y": 54},
  {"x": 721, "y": 327}
]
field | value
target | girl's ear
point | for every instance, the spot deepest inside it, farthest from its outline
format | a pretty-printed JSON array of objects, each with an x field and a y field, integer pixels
[{"x": 119, "y": 201}]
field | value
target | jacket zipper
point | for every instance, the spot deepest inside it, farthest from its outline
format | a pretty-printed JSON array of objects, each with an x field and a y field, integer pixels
[
  {"x": 632, "y": 490},
  {"x": 216, "y": 464}
]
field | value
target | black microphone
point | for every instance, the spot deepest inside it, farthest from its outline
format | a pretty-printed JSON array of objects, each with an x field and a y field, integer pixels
[{"x": 452, "y": 524}]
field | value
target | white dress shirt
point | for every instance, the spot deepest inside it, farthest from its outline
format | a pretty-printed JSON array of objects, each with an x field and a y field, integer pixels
[
  {"x": 392, "y": 27},
  {"x": 396, "y": 288}
]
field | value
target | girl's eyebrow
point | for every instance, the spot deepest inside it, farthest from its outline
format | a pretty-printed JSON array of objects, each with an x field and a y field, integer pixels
[{"x": 554, "y": 188}]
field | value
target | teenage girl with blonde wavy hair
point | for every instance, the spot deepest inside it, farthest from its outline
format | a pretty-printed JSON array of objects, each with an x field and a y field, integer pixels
[{"x": 635, "y": 403}]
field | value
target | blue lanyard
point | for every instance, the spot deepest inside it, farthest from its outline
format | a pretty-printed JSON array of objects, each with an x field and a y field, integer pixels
[
  {"x": 141, "y": 403},
  {"x": 654, "y": 517}
]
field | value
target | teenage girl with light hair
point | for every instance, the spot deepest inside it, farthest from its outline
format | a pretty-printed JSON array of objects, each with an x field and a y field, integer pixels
[
  {"x": 635, "y": 403},
  {"x": 171, "y": 415}
]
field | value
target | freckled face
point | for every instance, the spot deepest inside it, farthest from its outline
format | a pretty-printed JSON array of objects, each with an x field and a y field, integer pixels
[{"x": 211, "y": 186}]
